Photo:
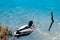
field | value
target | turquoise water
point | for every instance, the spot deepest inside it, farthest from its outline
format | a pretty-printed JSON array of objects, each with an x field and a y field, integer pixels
[{"x": 16, "y": 13}]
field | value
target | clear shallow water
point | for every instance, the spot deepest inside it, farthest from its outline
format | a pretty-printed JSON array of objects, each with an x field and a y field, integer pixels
[
  {"x": 18, "y": 17},
  {"x": 15, "y": 14}
]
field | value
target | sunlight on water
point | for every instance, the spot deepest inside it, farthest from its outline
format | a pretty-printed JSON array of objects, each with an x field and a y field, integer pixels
[
  {"x": 20, "y": 17},
  {"x": 14, "y": 15}
]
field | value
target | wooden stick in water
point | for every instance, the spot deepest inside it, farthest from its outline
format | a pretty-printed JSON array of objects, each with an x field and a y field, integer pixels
[{"x": 51, "y": 20}]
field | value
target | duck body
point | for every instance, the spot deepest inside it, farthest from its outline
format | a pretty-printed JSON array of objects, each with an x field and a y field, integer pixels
[{"x": 24, "y": 31}]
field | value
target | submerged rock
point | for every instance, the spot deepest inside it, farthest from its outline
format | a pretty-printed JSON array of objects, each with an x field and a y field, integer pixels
[{"x": 4, "y": 33}]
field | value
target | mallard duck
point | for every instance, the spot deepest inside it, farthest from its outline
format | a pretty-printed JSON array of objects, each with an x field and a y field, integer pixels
[{"x": 24, "y": 30}]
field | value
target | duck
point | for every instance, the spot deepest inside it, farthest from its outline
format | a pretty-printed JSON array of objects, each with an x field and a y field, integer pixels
[{"x": 24, "y": 30}]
